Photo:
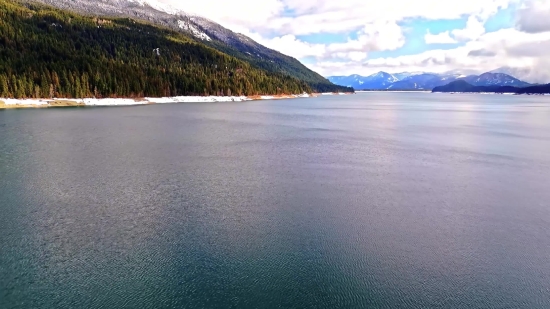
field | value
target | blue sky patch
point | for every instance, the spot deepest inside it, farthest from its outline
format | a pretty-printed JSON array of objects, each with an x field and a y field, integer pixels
[{"x": 503, "y": 19}]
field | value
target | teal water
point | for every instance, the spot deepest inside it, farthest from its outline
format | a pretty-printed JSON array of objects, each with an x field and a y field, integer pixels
[{"x": 374, "y": 200}]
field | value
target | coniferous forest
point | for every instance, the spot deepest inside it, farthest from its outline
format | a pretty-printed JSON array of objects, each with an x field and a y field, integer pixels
[{"x": 47, "y": 52}]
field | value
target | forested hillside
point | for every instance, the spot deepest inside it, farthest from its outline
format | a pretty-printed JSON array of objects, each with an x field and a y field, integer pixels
[
  {"x": 47, "y": 52},
  {"x": 202, "y": 30}
]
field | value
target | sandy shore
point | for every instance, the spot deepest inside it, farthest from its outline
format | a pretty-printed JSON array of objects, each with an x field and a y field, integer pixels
[{"x": 37, "y": 103}]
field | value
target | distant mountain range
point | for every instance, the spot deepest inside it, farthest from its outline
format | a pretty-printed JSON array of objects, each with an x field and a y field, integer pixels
[
  {"x": 381, "y": 80},
  {"x": 423, "y": 81},
  {"x": 465, "y": 87}
]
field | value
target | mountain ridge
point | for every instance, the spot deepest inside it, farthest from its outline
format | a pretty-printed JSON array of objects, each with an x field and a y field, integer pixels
[{"x": 203, "y": 30}]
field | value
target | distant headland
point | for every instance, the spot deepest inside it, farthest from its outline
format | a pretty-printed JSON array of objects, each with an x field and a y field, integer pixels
[{"x": 461, "y": 86}]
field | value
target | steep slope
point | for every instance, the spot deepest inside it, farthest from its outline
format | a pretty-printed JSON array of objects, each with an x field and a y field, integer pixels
[
  {"x": 47, "y": 52},
  {"x": 244, "y": 48},
  {"x": 203, "y": 30}
]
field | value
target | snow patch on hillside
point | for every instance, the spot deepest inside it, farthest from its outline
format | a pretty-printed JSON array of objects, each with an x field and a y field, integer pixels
[
  {"x": 157, "y": 6},
  {"x": 193, "y": 30}
]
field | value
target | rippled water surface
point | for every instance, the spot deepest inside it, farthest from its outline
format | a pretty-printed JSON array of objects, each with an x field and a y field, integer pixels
[{"x": 372, "y": 200}]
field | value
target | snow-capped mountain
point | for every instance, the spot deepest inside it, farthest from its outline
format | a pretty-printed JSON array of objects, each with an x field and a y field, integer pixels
[
  {"x": 426, "y": 81},
  {"x": 159, "y": 6},
  {"x": 403, "y": 75},
  {"x": 423, "y": 81},
  {"x": 159, "y": 13},
  {"x": 380, "y": 80},
  {"x": 148, "y": 10}
]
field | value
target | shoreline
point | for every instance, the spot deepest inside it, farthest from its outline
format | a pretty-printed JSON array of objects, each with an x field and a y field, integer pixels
[
  {"x": 6, "y": 103},
  {"x": 498, "y": 93},
  {"x": 394, "y": 91}
]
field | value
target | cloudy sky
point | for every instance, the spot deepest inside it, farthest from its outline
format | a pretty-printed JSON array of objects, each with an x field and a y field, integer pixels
[{"x": 342, "y": 37}]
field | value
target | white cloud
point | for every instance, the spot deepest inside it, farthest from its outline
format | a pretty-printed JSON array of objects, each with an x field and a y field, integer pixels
[
  {"x": 318, "y": 16},
  {"x": 474, "y": 29},
  {"x": 440, "y": 38},
  {"x": 375, "y": 26},
  {"x": 375, "y": 36},
  {"x": 506, "y": 47},
  {"x": 534, "y": 16},
  {"x": 290, "y": 45}
]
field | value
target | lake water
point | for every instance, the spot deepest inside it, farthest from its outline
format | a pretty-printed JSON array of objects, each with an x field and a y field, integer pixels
[{"x": 377, "y": 200}]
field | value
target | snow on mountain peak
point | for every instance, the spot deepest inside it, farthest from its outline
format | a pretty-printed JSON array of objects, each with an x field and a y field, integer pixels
[
  {"x": 383, "y": 75},
  {"x": 184, "y": 25},
  {"x": 159, "y": 6}
]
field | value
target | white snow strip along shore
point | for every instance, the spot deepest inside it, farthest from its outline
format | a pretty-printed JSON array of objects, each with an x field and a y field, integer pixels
[
  {"x": 332, "y": 93},
  {"x": 128, "y": 102}
]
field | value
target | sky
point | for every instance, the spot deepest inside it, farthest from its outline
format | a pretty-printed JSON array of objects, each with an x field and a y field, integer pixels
[{"x": 344, "y": 37}]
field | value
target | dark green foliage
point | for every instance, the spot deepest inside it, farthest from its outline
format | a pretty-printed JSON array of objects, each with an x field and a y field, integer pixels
[
  {"x": 46, "y": 52},
  {"x": 463, "y": 86},
  {"x": 538, "y": 89}
]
